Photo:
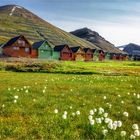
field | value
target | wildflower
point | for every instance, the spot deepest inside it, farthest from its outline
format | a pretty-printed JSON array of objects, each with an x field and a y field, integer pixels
[
  {"x": 110, "y": 126},
  {"x": 64, "y": 116},
  {"x": 114, "y": 126},
  {"x": 90, "y": 117},
  {"x": 108, "y": 120},
  {"x": 119, "y": 95},
  {"x": 56, "y": 111},
  {"x": 104, "y": 97},
  {"x": 135, "y": 126},
  {"x": 16, "y": 97},
  {"x": 95, "y": 110},
  {"x": 138, "y": 96},
  {"x": 138, "y": 107},
  {"x": 128, "y": 93},
  {"x": 137, "y": 133},
  {"x": 9, "y": 89},
  {"x": 65, "y": 112},
  {"x": 122, "y": 102},
  {"x": 73, "y": 114},
  {"x": 15, "y": 101},
  {"x": 3, "y": 106},
  {"x": 98, "y": 120},
  {"x": 101, "y": 110},
  {"x": 105, "y": 131},
  {"x": 119, "y": 123},
  {"x": 91, "y": 112},
  {"x": 105, "y": 115},
  {"x": 43, "y": 90},
  {"x": 123, "y": 133},
  {"x": 125, "y": 114},
  {"x": 70, "y": 107},
  {"x": 132, "y": 137},
  {"x": 92, "y": 122},
  {"x": 78, "y": 112},
  {"x": 26, "y": 91}
]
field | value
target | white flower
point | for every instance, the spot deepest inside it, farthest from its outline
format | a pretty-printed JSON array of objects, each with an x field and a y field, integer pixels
[
  {"x": 108, "y": 120},
  {"x": 105, "y": 115},
  {"x": 3, "y": 106},
  {"x": 98, "y": 120},
  {"x": 114, "y": 126},
  {"x": 65, "y": 112},
  {"x": 110, "y": 126},
  {"x": 125, "y": 114},
  {"x": 123, "y": 133},
  {"x": 104, "y": 97},
  {"x": 44, "y": 91},
  {"x": 105, "y": 131},
  {"x": 26, "y": 91},
  {"x": 56, "y": 111},
  {"x": 34, "y": 100},
  {"x": 95, "y": 110},
  {"x": 119, "y": 123},
  {"x": 70, "y": 107},
  {"x": 138, "y": 107},
  {"x": 64, "y": 116},
  {"x": 91, "y": 112},
  {"x": 73, "y": 114},
  {"x": 15, "y": 101},
  {"x": 16, "y": 97},
  {"x": 90, "y": 117},
  {"x": 92, "y": 122},
  {"x": 101, "y": 110},
  {"x": 135, "y": 126},
  {"x": 9, "y": 89},
  {"x": 122, "y": 102},
  {"x": 78, "y": 112},
  {"x": 128, "y": 93},
  {"x": 137, "y": 133},
  {"x": 138, "y": 96},
  {"x": 132, "y": 137},
  {"x": 119, "y": 95}
]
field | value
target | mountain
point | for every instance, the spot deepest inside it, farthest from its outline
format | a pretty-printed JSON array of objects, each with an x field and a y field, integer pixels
[
  {"x": 16, "y": 20},
  {"x": 96, "y": 39},
  {"x": 132, "y": 49}
]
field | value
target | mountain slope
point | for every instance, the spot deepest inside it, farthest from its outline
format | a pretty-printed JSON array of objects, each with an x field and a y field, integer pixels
[
  {"x": 96, "y": 39},
  {"x": 16, "y": 20}
]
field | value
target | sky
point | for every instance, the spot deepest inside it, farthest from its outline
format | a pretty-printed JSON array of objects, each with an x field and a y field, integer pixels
[{"x": 118, "y": 21}]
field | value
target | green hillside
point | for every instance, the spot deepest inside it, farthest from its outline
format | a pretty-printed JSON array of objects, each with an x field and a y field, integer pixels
[{"x": 15, "y": 20}]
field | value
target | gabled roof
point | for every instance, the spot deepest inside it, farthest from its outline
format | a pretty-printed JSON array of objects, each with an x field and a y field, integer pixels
[
  {"x": 86, "y": 49},
  {"x": 11, "y": 41},
  {"x": 59, "y": 47},
  {"x": 75, "y": 49},
  {"x": 36, "y": 45}
]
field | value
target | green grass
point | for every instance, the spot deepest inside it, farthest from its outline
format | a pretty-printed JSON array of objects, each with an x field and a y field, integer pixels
[{"x": 33, "y": 117}]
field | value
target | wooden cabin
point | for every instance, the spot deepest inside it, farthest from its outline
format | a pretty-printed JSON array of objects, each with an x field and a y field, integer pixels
[
  {"x": 42, "y": 50},
  {"x": 78, "y": 54},
  {"x": 88, "y": 54},
  {"x": 62, "y": 52},
  {"x": 18, "y": 46},
  {"x": 95, "y": 55},
  {"x": 107, "y": 56},
  {"x": 101, "y": 55}
]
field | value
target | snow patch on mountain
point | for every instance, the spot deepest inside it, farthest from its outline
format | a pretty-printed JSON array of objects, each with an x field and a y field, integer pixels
[{"x": 13, "y": 9}]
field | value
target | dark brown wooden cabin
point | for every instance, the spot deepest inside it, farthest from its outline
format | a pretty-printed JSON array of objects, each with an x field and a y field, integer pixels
[
  {"x": 17, "y": 47},
  {"x": 88, "y": 54},
  {"x": 78, "y": 54},
  {"x": 63, "y": 52}
]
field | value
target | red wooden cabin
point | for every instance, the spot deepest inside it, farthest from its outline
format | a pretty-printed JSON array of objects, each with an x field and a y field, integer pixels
[
  {"x": 17, "y": 47},
  {"x": 101, "y": 55},
  {"x": 88, "y": 54},
  {"x": 64, "y": 51}
]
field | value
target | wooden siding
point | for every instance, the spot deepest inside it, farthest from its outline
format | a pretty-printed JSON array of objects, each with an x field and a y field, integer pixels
[
  {"x": 66, "y": 54},
  {"x": 18, "y": 49},
  {"x": 89, "y": 55}
]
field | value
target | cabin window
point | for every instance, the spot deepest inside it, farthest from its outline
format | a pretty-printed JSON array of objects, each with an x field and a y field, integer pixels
[
  {"x": 15, "y": 48},
  {"x": 21, "y": 42},
  {"x": 26, "y": 49}
]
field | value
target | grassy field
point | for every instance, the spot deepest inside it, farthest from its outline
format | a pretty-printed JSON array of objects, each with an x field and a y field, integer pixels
[{"x": 102, "y": 103}]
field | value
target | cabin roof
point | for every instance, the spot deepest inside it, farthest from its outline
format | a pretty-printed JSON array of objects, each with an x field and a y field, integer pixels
[
  {"x": 75, "y": 49},
  {"x": 86, "y": 49},
  {"x": 59, "y": 47},
  {"x": 11, "y": 41},
  {"x": 36, "y": 45}
]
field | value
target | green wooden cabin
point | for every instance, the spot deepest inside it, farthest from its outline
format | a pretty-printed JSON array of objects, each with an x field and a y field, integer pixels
[
  {"x": 96, "y": 55},
  {"x": 42, "y": 50},
  {"x": 107, "y": 56}
]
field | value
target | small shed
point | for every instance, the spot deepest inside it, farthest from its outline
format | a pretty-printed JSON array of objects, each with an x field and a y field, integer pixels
[
  {"x": 62, "y": 52},
  {"x": 88, "y": 54},
  {"x": 101, "y": 55},
  {"x": 78, "y": 54},
  {"x": 18, "y": 46},
  {"x": 42, "y": 50}
]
